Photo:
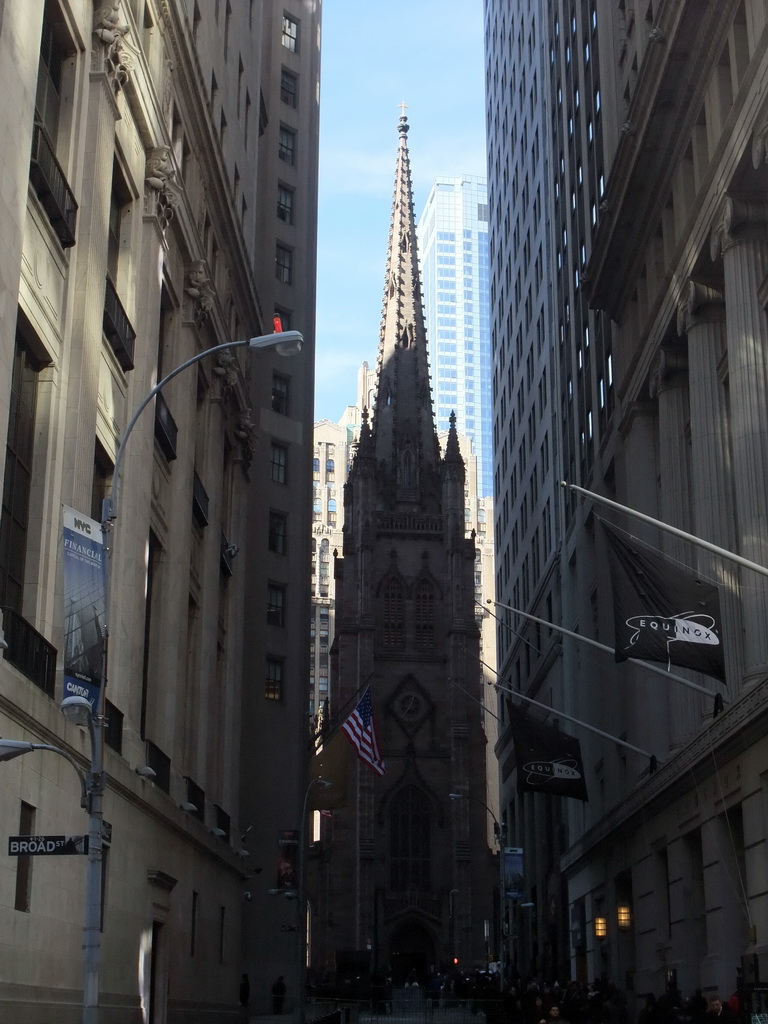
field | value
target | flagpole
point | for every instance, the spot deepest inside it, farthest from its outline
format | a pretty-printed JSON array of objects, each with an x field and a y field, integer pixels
[
  {"x": 576, "y": 721},
  {"x": 601, "y": 647},
  {"x": 562, "y": 714},
  {"x": 699, "y": 541}
]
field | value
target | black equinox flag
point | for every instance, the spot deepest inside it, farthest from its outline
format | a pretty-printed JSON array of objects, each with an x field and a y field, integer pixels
[
  {"x": 548, "y": 761},
  {"x": 661, "y": 612}
]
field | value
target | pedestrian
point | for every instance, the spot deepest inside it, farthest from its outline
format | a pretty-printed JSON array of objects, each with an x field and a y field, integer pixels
[
  {"x": 555, "y": 1015},
  {"x": 245, "y": 990},
  {"x": 718, "y": 1012},
  {"x": 278, "y": 995}
]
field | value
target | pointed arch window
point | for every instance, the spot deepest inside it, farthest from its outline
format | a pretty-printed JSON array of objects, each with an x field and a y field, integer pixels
[
  {"x": 393, "y": 614},
  {"x": 424, "y": 615},
  {"x": 410, "y": 841},
  {"x": 407, "y": 469}
]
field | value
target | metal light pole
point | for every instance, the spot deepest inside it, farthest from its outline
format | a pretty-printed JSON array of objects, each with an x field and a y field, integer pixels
[
  {"x": 76, "y": 709},
  {"x": 500, "y": 832},
  {"x": 301, "y": 906},
  {"x": 287, "y": 343}
]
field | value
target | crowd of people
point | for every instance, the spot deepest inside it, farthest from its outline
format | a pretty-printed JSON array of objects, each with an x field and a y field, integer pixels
[{"x": 601, "y": 1002}]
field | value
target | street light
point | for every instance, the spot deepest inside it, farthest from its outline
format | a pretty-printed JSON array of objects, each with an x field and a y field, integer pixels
[
  {"x": 499, "y": 831},
  {"x": 287, "y": 343},
  {"x": 15, "y": 748},
  {"x": 301, "y": 905}
]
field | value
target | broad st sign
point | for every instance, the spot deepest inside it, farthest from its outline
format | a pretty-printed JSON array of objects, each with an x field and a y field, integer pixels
[{"x": 25, "y": 846}]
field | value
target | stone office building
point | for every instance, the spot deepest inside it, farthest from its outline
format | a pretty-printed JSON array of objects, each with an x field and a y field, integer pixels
[
  {"x": 656, "y": 129},
  {"x": 158, "y": 200}
]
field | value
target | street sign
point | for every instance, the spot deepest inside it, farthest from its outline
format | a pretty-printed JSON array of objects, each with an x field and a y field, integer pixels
[{"x": 25, "y": 846}]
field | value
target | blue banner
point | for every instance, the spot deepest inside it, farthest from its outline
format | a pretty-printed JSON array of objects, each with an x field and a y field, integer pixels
[
  {"x": 83, "y": 606},
  {"x": 514, "y": 883}
]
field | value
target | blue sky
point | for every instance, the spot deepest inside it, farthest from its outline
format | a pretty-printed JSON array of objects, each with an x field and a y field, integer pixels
[{"x": 375, "y": 55}]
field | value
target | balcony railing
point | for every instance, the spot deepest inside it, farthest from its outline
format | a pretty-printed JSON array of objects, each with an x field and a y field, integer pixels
[
  {"x": 118, "y": 328},
  {"x": 166, "y": 430},
  {"x": 29, "y": 651},
  {"x": 52, "y": 188}
]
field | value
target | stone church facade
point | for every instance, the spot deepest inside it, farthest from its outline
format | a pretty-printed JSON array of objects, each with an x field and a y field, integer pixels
[{"x": 403, "y": 877}]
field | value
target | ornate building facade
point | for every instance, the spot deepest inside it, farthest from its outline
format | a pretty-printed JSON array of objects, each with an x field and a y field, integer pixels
[
  {"x": 656, "y": 179},
  {"x": 406, "y": 879},
  {"x": 158, "y": 200}
]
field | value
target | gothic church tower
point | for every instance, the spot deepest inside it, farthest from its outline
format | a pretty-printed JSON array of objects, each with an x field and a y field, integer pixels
[{"x": 408, "y": 881}]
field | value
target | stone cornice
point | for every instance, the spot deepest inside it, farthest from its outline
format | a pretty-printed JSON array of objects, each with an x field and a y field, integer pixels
[
  {"x": 733, "y": 731},
  {"x": 662, "y": 115},
  {"x": 188, "y": 88}
]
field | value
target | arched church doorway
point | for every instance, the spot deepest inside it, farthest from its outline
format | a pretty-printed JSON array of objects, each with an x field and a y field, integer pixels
[{"x": 411, "y": 948}]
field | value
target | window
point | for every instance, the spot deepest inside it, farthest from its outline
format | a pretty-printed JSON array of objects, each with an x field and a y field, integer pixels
[
  {"x": 284, "y": 264},
  {"x": 392, "y": 617},
  {"x": 278, "y": 463},
  {"x": 102, "y": 477},
  {"x": 424, "y": 616},
  {"x": 24, "y": 864},
  {"x": 273, "y": 683},
  {"x": 119, "y": 202},
  {"x": 278, "y": 532},
  {"x": 275, "y": 604},
  {"x": 285, "y": 204},
  {"x": 409, "y": 841},
  {"x": 14, "y": 521},
  {"x": 49, "y": 74},
  {"x": 290, "y": 37},
  {"x": 280, "y": 394},
  {"x": 287, "y": 146},
  {"x": 289, "y": 88}
]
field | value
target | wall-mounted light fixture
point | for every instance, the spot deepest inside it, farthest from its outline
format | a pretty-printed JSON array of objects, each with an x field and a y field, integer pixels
[
  {"x": 601, "y": 927},
  {"x": 624, "y": 917}
]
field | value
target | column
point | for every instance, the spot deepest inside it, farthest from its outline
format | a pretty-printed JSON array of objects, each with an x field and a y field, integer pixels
[
  {"x": 643, "y": 711},
  {"x": 741, "y": 238},
  {"x": 701, "y": 317},
  {"x": 669, "y": 386}
]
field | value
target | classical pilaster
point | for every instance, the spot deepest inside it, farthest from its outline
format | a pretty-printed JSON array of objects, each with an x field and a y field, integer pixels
[
  {"x": 740, "y": 236},
  {"x": 701, "y": 318},
  {"x": 84, "y": 369},
  {"x": 725, "y": 893},
  {"x": 686, "y": 908}
]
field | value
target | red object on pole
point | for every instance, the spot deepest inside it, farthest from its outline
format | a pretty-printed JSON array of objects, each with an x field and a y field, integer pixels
[{"x": 277, "y": 323}]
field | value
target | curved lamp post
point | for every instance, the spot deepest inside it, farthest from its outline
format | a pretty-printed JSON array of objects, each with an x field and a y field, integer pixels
[
  {"x": 79, "y": 710},
  {"x": 499, "y": 831}
]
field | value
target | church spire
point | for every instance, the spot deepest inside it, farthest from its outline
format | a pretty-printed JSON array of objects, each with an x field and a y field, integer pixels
[{"x": 404, "y": 435}]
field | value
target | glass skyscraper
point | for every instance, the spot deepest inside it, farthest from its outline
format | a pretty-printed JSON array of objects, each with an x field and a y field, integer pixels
[{"x": 453, "y": 245}]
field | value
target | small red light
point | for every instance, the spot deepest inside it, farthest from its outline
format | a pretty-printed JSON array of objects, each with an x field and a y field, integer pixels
[
  {"x": 455, "y": 960},
  {"x": 277, "y": 323}
]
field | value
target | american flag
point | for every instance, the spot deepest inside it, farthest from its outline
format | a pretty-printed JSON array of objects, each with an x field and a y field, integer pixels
[{"x": 362, "y": 734}]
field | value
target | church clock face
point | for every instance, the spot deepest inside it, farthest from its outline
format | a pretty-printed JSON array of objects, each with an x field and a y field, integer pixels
[{"x": 409, "y": 706}]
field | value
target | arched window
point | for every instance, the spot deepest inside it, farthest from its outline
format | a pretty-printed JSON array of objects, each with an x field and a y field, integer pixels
[
  {"x": 392, "y": 617},
  {"x": 424, "y": 615},
  {"x": 410, "y": 841}
]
